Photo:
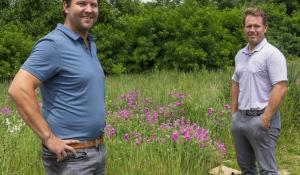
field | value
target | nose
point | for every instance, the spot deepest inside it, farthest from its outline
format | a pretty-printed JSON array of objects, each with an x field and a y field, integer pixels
[
  {"x": 252, "y": 29},
  {"x": 88, "y": 8}
]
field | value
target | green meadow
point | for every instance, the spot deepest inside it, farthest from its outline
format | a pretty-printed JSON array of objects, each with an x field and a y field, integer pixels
[{"x": 160, "y": 123}]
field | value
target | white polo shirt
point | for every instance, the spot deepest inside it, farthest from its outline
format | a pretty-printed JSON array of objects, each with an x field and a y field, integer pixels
[{"x": 256, "y": 72}]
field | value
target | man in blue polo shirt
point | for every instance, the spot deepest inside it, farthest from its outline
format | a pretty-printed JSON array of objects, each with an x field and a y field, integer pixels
[
  {"x": 258, "y": 88},
  {"x": 65, "y": 66}
]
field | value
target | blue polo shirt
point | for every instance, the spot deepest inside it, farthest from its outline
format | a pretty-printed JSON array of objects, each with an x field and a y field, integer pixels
[{"x": 72, "y": 84}]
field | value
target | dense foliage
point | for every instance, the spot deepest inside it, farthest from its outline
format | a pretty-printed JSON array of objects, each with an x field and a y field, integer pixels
[{"x": 166, "y": 34}]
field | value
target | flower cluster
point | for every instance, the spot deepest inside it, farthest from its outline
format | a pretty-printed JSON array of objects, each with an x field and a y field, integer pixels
[
  {"x": 13, "y": 123},
  {"x": 131, "y": 98},
  {"x": 221, "y": 147},
  {"x": 179, "y": 95},
  {"x": 216, "y": 117},
  {"x": 14, "y": 127},
  {"x": 6, "y": 111},
  {"x": 160, "y": 123}
]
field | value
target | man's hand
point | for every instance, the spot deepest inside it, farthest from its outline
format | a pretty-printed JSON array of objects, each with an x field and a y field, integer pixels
[
  {"x": 60, "y": 147},
  {"x": 22, "y": 91},
  {"x": 265, "y": 122},
  {"x": 276, "y": 97}
]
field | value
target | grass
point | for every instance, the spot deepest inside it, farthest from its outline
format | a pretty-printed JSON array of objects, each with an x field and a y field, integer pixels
[{"x": 20, "y": 150}]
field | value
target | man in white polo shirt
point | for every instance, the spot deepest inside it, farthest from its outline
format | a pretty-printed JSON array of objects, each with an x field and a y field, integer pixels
[{"x": 258, "y": 88}]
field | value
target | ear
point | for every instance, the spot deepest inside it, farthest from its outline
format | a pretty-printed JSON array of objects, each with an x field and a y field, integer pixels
[
  {"x": 66, "y": 7},
  {"x": 266, "y": 28}
]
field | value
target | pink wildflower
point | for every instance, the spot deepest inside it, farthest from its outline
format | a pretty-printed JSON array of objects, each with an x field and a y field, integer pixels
[
  {"x": 227, "y": 106},
  {"x": 154, "y": 137},
  {"x": 175, "y": 136},
  {"x": 187, "y": 133},
  {"x": 124, "y": 113},
  {"x": 202, "y": 135},
  {"x": 130, "y": 98},
  {"x": 179, "y": 103},
  {"x": 6, "y": 111},
  {"x": 182, "y": 121},
  {"x": 210, "y": 111},
  {"x": 221, "y": 147},
  {"x": 137, "y": 141},
  {"x": 126, "y": 137},
  {"x": 110, "y": 131}
]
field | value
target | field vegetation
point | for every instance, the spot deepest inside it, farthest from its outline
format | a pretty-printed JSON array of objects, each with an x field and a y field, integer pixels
[{"x": 166, "y": 123}]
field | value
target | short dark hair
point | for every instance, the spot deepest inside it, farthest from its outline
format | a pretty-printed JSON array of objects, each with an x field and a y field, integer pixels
[
  {"x": 255, "y": 11},
  {"x": 68, "y": 2}
]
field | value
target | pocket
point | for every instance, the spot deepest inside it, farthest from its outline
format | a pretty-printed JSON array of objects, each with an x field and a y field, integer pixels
[
  {"x": 261, "y": 125},
  {"x": 234, "y": 121},
  {"x": 261, "y": 133},
  {"x": 47, "y": 154},
  {"x": 81, "y": 155},
  {"x": 233, "y": 116}
]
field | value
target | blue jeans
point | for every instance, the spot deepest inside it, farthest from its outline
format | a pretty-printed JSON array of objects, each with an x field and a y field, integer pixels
[
  {"x": 254, "y": 144},
  {"x": 89, "y": 161}
]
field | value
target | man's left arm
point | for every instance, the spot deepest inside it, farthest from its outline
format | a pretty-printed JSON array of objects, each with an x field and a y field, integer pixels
[{"x": 276, "y": 97}]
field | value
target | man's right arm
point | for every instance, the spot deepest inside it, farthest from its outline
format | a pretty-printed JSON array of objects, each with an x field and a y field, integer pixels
[
  {"x": 234, "y": 93},
  {"x": 22, "y": 91}
]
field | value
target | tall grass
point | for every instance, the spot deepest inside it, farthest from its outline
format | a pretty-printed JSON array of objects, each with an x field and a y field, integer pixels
[
  {"x": 204, "y": 92},
  {"x": 19, "y": 151}
]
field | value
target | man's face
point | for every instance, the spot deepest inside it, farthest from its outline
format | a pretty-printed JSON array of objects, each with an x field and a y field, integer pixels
[
  {"x": 81, "y": 14},
  {"x": 254, "y": 29}
]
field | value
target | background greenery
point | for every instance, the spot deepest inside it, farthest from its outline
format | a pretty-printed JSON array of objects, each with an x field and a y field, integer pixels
[
  {"x": 20, "y": 148},
  {"x": 135, "y": 37},
  {"x": 195, "y": 36}
]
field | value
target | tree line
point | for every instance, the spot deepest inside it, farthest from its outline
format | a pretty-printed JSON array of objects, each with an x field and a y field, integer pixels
[{"x": 133, "y": 37}]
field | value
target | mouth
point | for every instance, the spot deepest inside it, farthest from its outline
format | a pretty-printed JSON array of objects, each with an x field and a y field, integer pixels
[
  {"x": 87, "y": 17},
  {"x": 252, "y": 36}
]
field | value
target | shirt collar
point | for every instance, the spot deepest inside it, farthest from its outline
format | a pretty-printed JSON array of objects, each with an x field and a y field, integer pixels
[
  {"x": 257, "y": 47},
  {"x": 70, "y": 33}
]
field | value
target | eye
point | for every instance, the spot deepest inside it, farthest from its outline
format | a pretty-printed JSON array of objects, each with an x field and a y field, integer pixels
[
  {"x": 249, "y": 27},
  {"x": 94, "y": 5},
  {"x": 81, "y": 3},
  {"x": 257, "y": 26}
]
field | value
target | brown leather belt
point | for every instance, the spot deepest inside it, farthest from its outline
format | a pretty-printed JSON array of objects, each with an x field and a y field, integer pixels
[{"x": 88, "y": 144}]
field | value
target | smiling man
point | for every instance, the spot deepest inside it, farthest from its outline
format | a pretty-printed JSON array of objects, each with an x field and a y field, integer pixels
[
  {"x": 64, "y": 65},
  {"x": 258, "y": 88}
]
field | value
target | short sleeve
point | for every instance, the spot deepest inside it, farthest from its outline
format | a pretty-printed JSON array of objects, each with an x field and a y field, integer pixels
[
  {"x": 43, "y": 61},
  {"x": 235, "y": 76},
  {"x": 277, "y": 68}
]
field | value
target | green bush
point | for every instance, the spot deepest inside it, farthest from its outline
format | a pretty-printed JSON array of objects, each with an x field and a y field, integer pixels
[
  {"x": 14, "y": 48},
  {"x": 184, "y": 38},
  {"x": 134, "y": 37}
]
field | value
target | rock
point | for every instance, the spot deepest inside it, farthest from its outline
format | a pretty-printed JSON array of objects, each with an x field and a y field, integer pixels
[
  {"x": 283, "y": 172},
  {"x": 223, "y": 170}
]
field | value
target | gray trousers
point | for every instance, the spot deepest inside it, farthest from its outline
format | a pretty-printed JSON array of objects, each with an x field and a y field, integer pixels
[
  {"x": 89, "y": 161},
  {"x": 254, "y": 144}
]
